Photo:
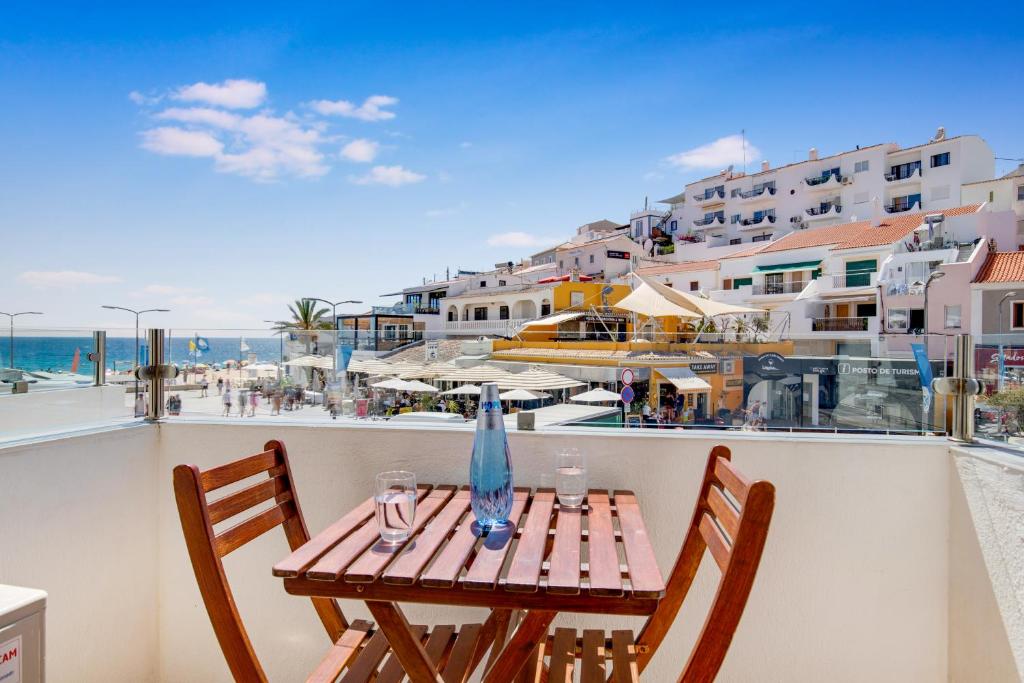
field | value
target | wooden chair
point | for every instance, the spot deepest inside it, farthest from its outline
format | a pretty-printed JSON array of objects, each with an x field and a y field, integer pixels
[
  {"x": 357, "y": 645},
  {"x": 731, "y": 521}
]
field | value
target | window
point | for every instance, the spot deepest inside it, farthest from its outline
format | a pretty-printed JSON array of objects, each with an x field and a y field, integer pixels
[
  {"x": 861, "y": 166},
  {"x": 674, "y": 225},
  {"x": 940, "y": 192},
  {"x": 1020, "y": 193},
  {"x": 502, "y": 312},
  {"x": 735, "y": 218},
  {"x": 903, "y": 171},
  {"x": 480, "y": 313},
  {"x": 694, "y": 285},
  {"x": 991, "y": 195},
  {"x": 940, "y": 160},
  {"x": 865, "y": 310},
  {"x": 898, "y": 320},
  {"x": 483, "y": 283},
  {"x": 760, "y": 238},
  {"x": 545, "y": 309},
  {"x": 576, "y": 261},
  {"x": 561, "y": 264},
  {"x": 591, "y": 258},
  {"x": 773, "y": 283},
  {"x": 736, "y": 240},
  {"x": 1017, "y": 315},
  {"x": 742, "y": 282},
  {"x": 951, "y": 316},
  {"x": 501, "y": 283},
  {"x": 727, "y": 283}
]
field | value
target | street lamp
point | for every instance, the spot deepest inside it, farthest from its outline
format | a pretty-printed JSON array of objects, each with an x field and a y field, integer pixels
[
  {"x": 334, "y": 315},
  {"x": 938, "y": 274},
  {"x": 1002, "y": 358},
  {"x": 12, "y": 316},
  {"x": 137, "y": 314}
]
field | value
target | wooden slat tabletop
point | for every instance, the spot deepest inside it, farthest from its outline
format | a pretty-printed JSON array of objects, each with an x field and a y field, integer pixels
[{"x": 595, "y": 558}]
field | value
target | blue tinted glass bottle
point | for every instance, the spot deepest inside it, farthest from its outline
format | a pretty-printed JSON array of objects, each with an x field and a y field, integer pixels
[{"x": 490, "y": 470}]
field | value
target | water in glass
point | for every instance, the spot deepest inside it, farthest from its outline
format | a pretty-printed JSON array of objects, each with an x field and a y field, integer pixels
[
  {"x": 570, "y": 478},
  {"x": 396, "y": 505}
]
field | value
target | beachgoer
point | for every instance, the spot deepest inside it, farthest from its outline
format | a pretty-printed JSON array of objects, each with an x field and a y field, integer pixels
[
  {"x": 140, "y": 406},
  {"x": 254, "y": 402},
  {"x": 204, "y": 386},
  {"x": 220, "y": 386},
  {"x": 227, "y": 403},
  {"x": 243, "y": 402},
  {"x": 275, "y": 402}
]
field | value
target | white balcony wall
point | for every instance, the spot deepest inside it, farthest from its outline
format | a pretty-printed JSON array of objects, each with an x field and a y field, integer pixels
[{"x": 869, "y": 573}]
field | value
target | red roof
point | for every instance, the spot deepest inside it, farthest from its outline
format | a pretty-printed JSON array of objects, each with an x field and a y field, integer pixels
[
  {"x": 685, "y": 267},
  {"x": 563, "y": 278},
  {"x": 1002, "y": 266}
]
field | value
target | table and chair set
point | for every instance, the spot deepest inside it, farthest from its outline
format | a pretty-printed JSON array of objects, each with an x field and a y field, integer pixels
[{"x": 596, "y": 558}]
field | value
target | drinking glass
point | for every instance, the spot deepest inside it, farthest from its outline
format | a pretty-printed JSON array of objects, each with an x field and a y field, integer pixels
[
  {"x": 570, "y": 478},
  {"x": 395, "y": 497}
]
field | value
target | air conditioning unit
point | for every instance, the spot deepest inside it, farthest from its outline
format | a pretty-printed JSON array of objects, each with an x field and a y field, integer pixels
[{"x": 847, "y": 180}]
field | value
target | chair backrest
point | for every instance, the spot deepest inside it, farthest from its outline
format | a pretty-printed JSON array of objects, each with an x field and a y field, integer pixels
[
  {"x": 730, "y": 520},
  {"x": 273, "y": 482}
]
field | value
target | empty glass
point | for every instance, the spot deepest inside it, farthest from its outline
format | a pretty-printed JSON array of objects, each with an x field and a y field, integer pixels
[
  {"x": 396, "y": 505},
  {"x": 570, "y": 478}
]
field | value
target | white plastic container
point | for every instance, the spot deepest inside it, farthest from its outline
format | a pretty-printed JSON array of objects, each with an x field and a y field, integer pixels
[{"x": 22, "y": 634}]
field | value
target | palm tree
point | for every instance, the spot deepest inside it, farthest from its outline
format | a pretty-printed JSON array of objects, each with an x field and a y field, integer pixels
[{"x": 305, "y": 316}]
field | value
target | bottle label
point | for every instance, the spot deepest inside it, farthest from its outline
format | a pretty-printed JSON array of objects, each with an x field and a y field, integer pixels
[{"x": 489, "y": 406}]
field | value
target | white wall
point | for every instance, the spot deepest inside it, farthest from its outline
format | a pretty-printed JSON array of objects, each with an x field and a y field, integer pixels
[{"x": 78, "y": 519}]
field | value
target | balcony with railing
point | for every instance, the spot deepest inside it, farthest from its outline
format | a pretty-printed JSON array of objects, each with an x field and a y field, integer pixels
[
  {"x": 757, "y": 222},
  {"x": 426, "y": 310},
  {"x": 773, "y": 288},
  {"x": 824, "y": 211},
  {"x": 503, "y": 328},
  {"x": 754, "y": 194},
  {"x": 711, "y": 194},
  {"x": 903, "y": 175},
  {"x": 857, "y": 279},
  {"x": 902, "y": 205},
  {"x": 855, "y": 324},
  {"x": 709, "y": 222},
  {"x": 825, "y": 181}
]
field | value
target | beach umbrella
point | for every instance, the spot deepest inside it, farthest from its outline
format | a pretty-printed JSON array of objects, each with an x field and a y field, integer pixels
[
  {"x": 464, "y": 390},
  {"x": 309, "y": 362},
  {"x": 394, "y": 383},
  {"x": 420, "y": 387},
  {"x": 596, "y": 396},
  {"x": 538, "y": 379},
  {"x": 431, "y": 371},
  {"x": 370, "y": 366},
  {"x": 478, "y": 373},
  {"x": 522, "y": 395}
]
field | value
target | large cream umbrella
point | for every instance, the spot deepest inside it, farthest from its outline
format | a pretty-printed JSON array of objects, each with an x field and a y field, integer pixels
[
  {"x": 393, "y": 383},
  {"x": 522, "y": 395},
  {"x": 419, "y": 387},
  {"x": 310, "y": 362},
  {"x": 536, "y": 379},
  {"x": 478, "y": 373},
  {"x": 464, "y": 390},
  {"x": 370, "y": 366},
  {"x": 596, "y": 396},
  {"x": 431, "y": 371}
]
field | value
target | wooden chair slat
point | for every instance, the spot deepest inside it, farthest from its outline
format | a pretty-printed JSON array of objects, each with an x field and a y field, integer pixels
[
  {"x": 592, "y": 659},
  {"x": 339, "y": 655},
  {"x": 603, "y": 570},
  {"x": 311, "y": 551},
  {"x": 217, "y": 477},
  {"x": 524, "y": 571},
  {"x": 231, "y": 505},
  {"x": 243, "y": 532},
  {"x": 365, "y": 667},
  {"x": 624, "y": 666},
  {"x": 486, "y": 566},
  {"x": 373, "y": 561},
  {"x": 564, "y": 569},
  {"x": 392, "y": 671},
  {"x": 411, "y": 562},
  {"x": 725, "y": 513},
  {"x": 717, "y": 543},
  {"x": 732, "y": 479},
  {"x": 332, "y": 563},
  {"x": 460, "y": 661},
  {"x": 437, "y": 642},
  {"x": 534, "y": 671},
  {"x": 563, "y": 656},
  {"x": 644, "y": 575}
]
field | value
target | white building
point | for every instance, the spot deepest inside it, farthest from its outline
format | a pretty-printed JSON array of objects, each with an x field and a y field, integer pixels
[
  {"x": 1002, "y": 194},
  {"x": 732, "y": 208}
]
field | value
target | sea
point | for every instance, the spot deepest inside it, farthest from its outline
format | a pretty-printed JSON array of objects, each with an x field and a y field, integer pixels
[{"x": 57, "y": 354}]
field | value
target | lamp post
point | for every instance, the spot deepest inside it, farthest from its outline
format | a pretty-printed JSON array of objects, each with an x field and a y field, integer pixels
[
  {"x": 280, "y": 363},
  {"x": 334, "y": 315},
  {"x": 12, "y": 316},
  {"x": 938, "y": 274},
  {"x": 1002, "y": 358},
  {"x": 137, "y": 314}
]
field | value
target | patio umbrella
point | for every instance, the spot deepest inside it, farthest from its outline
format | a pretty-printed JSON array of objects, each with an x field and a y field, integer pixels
[
  {"x": 464, "y": 390},
  {"x": 596, "y": 396},
  {"x": 310, "y": 362},
  {"x": 431, "y": 371},
  {"x": 478, "y": 373},
  {"x": 537, "y": 379},
  {"x": 394, "y": 383},
  {"x": 370, "y": 366},
  {"x": 419, "y": 387},
  {"x": 523, "y": 395}
]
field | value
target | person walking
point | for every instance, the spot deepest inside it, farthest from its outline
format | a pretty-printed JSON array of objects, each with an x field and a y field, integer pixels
[
  {"x": 254, "y": 402},
  {"x": 275, "y": 403},
  {"x": 140, "y": 406},
  {"x": 243, "y": 402},
  {"x": 204, "y": 386},
  {"x": 226, "y": 398},
  {"x": 220, "y": 386}
]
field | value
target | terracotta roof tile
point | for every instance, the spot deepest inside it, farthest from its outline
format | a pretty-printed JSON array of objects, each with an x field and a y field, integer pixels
[
  {"x": 1002, "y": 266},
  {"x": 685, "y": 267}
]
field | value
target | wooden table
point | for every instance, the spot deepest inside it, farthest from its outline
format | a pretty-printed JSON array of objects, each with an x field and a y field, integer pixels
[{"x": 595, "y": 559}]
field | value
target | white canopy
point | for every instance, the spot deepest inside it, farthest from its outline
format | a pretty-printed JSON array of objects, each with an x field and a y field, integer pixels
[
  {"x": 478, "y": 373},
  {"x": 522, "y": 395},
  {"x": 464, "y": 390},
  {"x": 664, "y": 301},
  {"x": 596, "y": 396},
  {"x": 684, "y": 379},
  {"x": 537, "y": 379},
  {"x": 553, "y": 319},
  {"x": 405, "y": 385},
  {"x": 393, "y": 383},
  {"x": 420, "y": 387},
  {"x": 370, "y": 366},
  {"x": 310, "y": 362},
  {"x": 646, "y": 300},
  {"x": 430, "y": 371}
]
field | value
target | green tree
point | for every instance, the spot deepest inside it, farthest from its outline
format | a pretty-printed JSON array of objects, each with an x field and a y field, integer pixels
[
  {"x": 306, "y": 316},
  {"x": 1010, "y": 400}
]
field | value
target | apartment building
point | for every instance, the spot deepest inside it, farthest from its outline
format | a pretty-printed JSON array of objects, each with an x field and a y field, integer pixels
[
  {"x": 733, "y": 207},
  {"x": 1005, "y": 193}
]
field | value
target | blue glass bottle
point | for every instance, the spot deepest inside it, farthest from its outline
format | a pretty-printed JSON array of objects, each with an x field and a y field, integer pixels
[{"x": 490, "y": 470}]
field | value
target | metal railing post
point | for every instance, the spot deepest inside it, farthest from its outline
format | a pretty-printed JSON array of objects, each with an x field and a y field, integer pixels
[
  {"x": 962, "y": 387},
  {"x": 155, "y": 373},
  {"x": 99, "y": 358}
]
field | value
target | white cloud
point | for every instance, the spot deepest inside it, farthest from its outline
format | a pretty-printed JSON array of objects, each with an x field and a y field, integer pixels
[
  {"x": 520, "y": 239},
  {"x": 272, "y": 145},
  {"x": 65, "y": 278},
  {"x": 718, "y": 154},
  {"x": 217, "y": 118},
  {"x": 231, "y": 94},
  {"x": 143, "y": 100},
  {"x": 372, "y": 108},
  {"x": 389, "y": 175},
  {"x": 181, "y": 142},
  {"x": 361, "y": 150}
]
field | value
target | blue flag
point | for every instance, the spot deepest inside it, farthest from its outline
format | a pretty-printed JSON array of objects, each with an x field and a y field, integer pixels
[
  {"x": 346, "y": 355},
  {"x": 924, "y": 368}
]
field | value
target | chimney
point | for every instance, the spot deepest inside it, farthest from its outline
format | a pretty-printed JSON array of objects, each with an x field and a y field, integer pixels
[
  {"x": 812, "y": 154},
  {"x": 765, "y": 166},
  {"x": 876, "y": 212}
]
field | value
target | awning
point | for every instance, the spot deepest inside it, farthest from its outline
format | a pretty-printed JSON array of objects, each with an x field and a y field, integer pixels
[
  {"x": 556, "y": 319},
  {"x": 693, "y": 306},
  {"x": 563, "y": 278},
  {"x": 783, "y": 267},
  {"x": 684, "y": 379}
]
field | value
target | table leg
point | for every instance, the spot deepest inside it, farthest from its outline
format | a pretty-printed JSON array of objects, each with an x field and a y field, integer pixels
[
  {"x": 531, "y": 631},
  {"x": 407, "y": 648}
]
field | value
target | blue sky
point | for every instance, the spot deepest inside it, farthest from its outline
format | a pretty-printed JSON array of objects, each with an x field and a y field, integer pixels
[{"x": 223, "y": 160}]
